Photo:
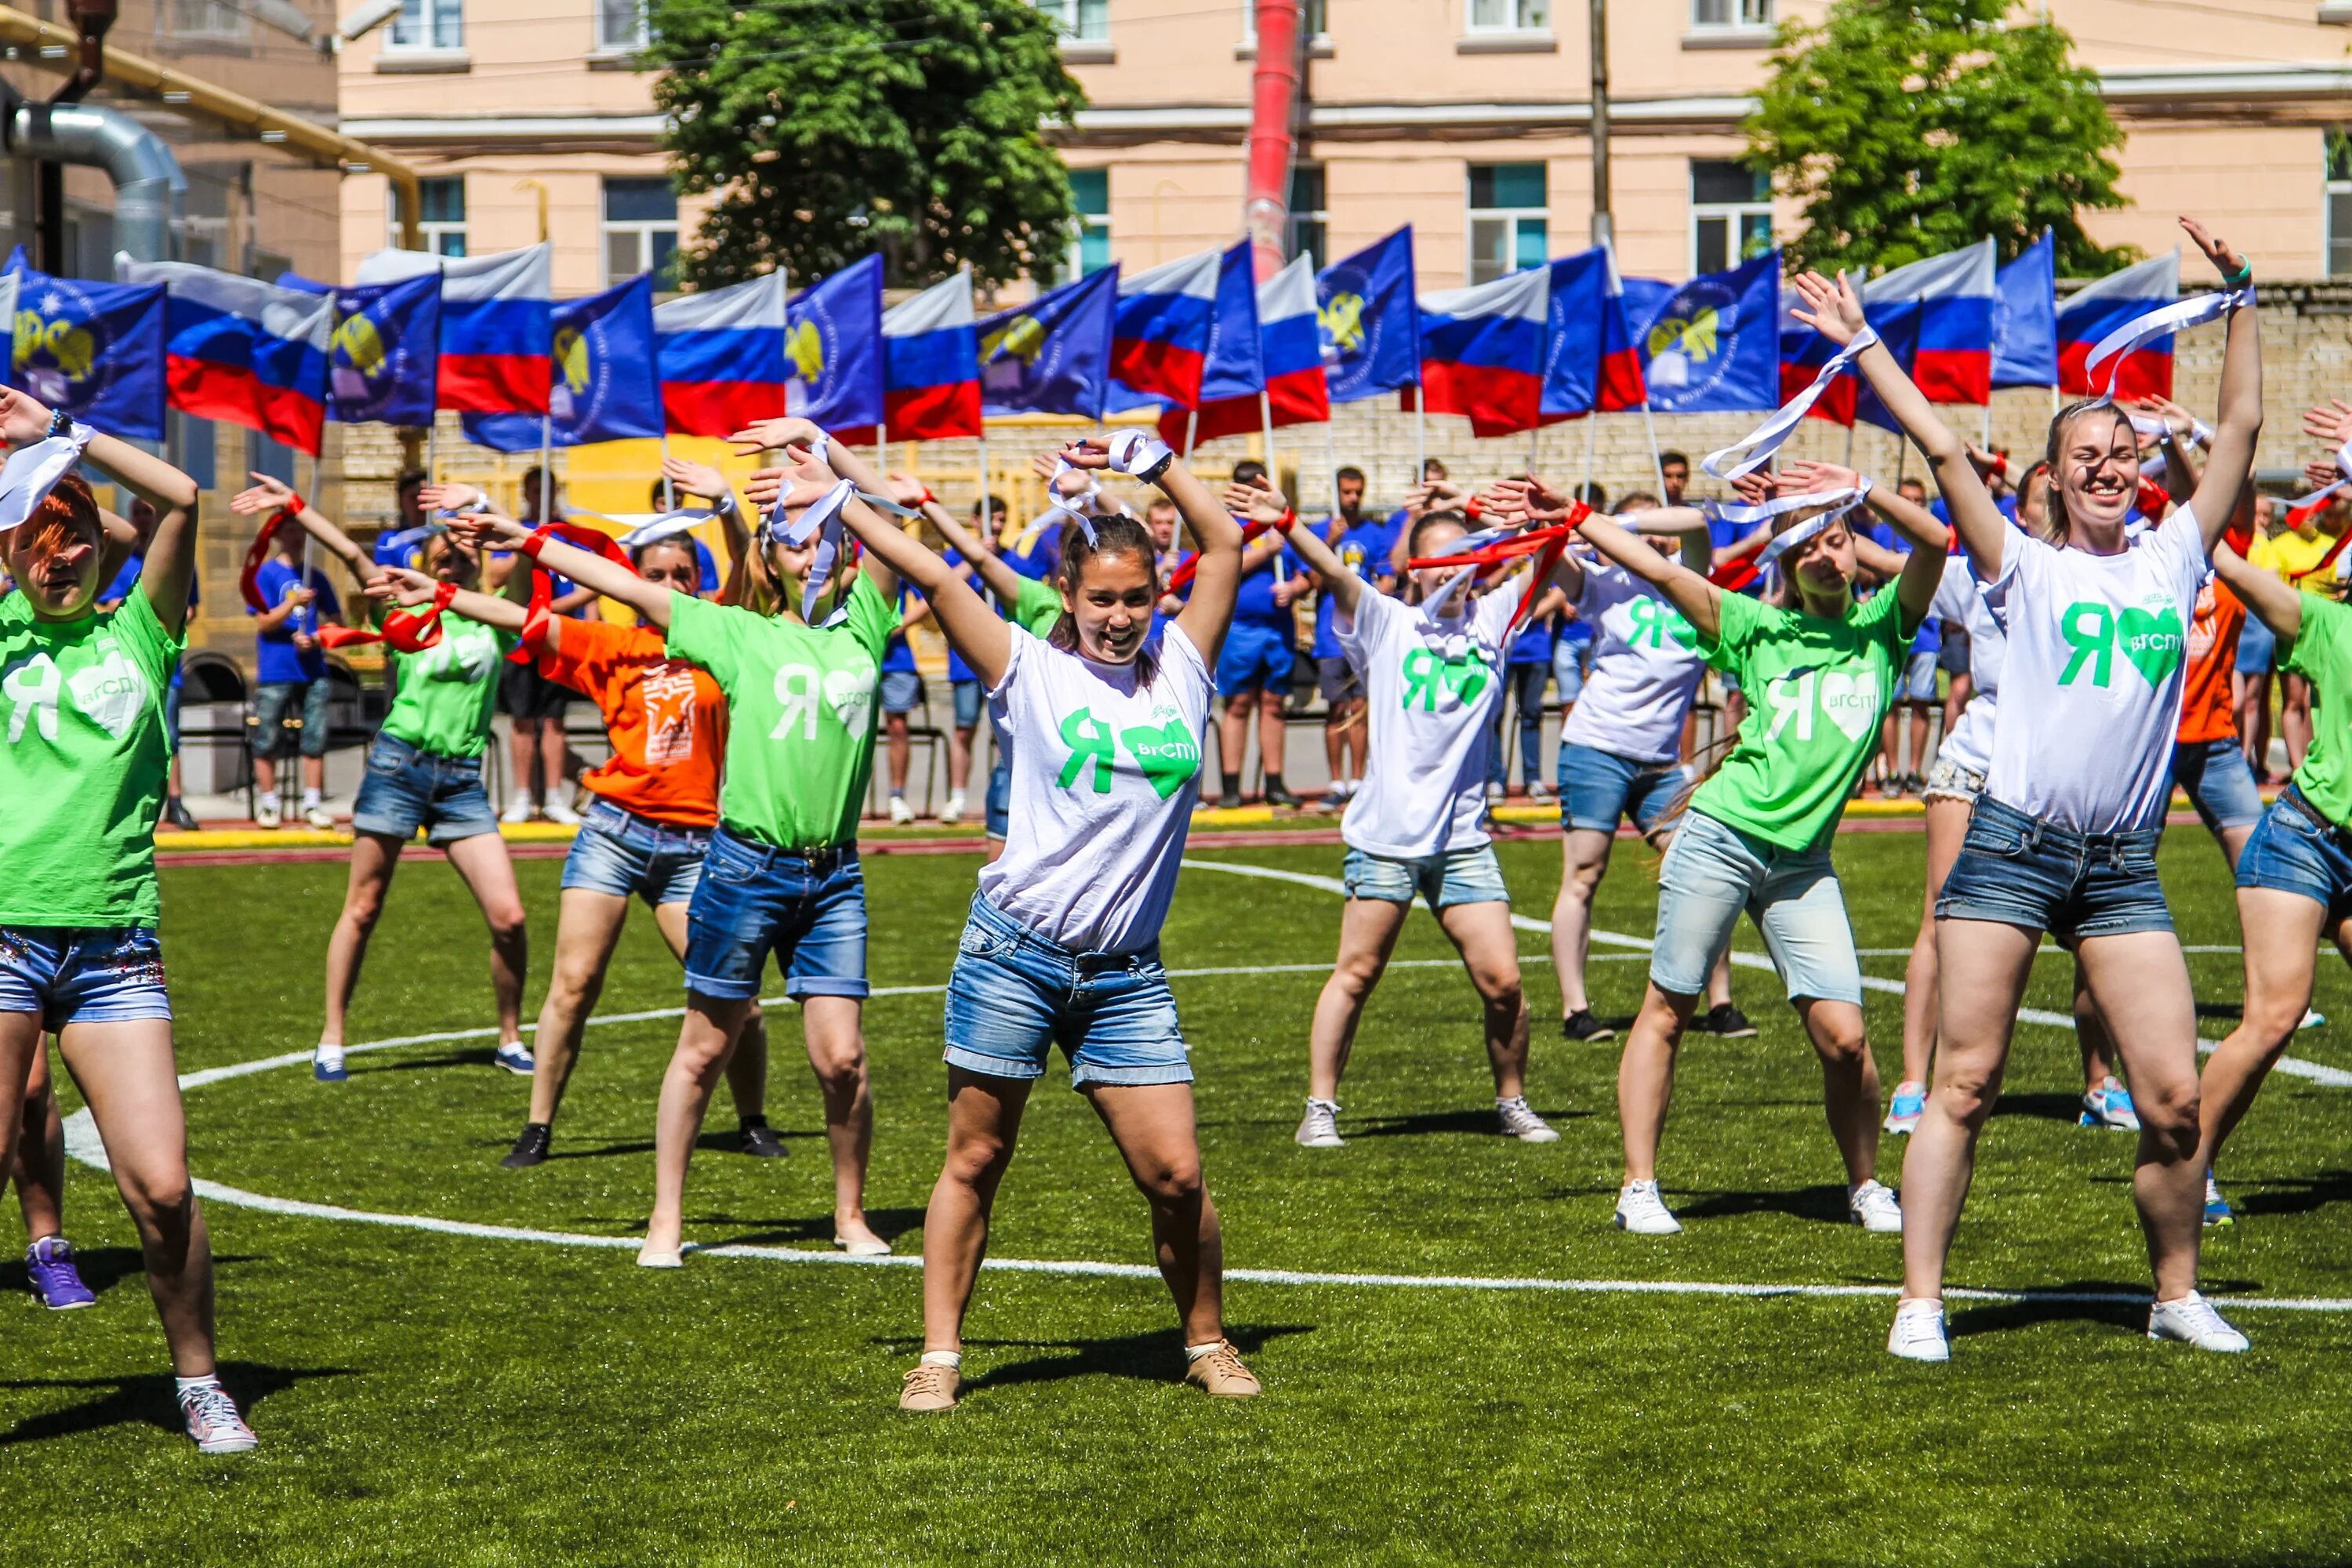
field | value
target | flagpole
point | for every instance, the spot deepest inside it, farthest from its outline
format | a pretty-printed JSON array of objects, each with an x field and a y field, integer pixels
[
  {"x": 669, "y": 491},
  {"x": 1191, "y": 425},
  {"x": 1420, "y": 439},
  {"x": 1657, "y": 463},
  {"x": 1592, "y": 441},
  {"x": 1331, "y": 460},
  {"x": 1985, "y": 446},
  {"x": 546, "y": 463},
  {"x": 987, "y": 518}
]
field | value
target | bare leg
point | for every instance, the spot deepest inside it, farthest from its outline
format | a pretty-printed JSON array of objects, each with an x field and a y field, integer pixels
[
  {"x": 1368, "y": 934},
  {"x": 554, "y": 751},
  {"x": 1948, "y": 827},
  {"x": 523, "y": 745},
  {"x": 264, "y": 773},
  {"x": 20, "y": 1046},
  {"x": 898, "y": 751},
  {"x": 1849, "y": 1082},
  {"x": 983, "y": 1122},
  {"x": 710, "y": 1026},
  {"x": 1273, "y": 739},
  {"x": 587, "y": 928},
  {"x": 1232, "y": 733},
  {"x": 1153, "y": 1125},
  {"x": 836, "y": 1050},
  {"x": 960, "y": 758},
  {"x": 1482, "y": 934},
  {"x": 2091, "y": 1035},
  {"x": 1584, "y": 861},
  {"x": 39, "y": 1167},
  {"x": 1645, "y": 1077},
  {"x": 126, "y": 1072},
  {"x": 2281, "y": 932},
  {"x": 374, "y": 857},
  {"x": 482, "y": 861},
  {"x": 314, "y": 774},
  {"x": 747, "y": 1064},
  {"x": 2141, "y": 984}
]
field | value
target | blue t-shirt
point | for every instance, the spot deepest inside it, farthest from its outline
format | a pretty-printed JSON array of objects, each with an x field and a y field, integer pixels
[
  {"x": 127, "y": 579},
  {"x": 1533, "y": 644},
  {"x": 281, "y": 663},
  {"x": 1044, "y": 555},
  {"x": 706, "y": 566},
  {"x": 1930, "y": 636},
  {"x": 898, "y": 659},
  {"x": 1354, "y": 552}
]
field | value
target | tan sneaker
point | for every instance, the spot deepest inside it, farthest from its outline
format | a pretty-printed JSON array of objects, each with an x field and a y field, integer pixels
[
  {"x": 1222, "y": 1374},
  {"x": 931, "y": 1386}
]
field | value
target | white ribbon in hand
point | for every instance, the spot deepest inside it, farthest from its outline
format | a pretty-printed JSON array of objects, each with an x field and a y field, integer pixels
[
  {"x": 1078, "y": 506},
  {"x": 2157, "y": 323},
  {"x": 1139, "y": 453},
  {"x": 2343, "y": 465},
  {"x": 668, "y": 525},
  {"x": 1840, "y": 502},
  {"x": 1755, "y": 450},
  {"x": 822, "y": 519},
  {"x": 32, "y": 472},
  {"x": 1739, "y": 512}
]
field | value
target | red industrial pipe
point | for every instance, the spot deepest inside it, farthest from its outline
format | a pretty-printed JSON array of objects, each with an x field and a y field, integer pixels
[{"x": 1274, "y": 105}]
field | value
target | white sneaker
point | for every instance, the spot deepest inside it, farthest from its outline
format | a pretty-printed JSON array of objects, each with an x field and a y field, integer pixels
[
  {"x": 1918, "y": 1331},
  {"x": 558, "y": 811},
  {"x": 213, "y": 1422},
  {"x": 657, "y": 1258},
  {"x": 1522, "y": 1123},
  {"x": 1874, "y": 1209},
  {"x": 519, "y": 809},
  {"x": 1493, "y": 791},
  {"x": 1643, "y": 1212},
  {"x": 2193, "y": 1321},
  {"x": 1538, "y": 790},
  {"x": 266, "y": 814},
  {"x": 2312, "y": 1018},
  {"x": 952, "y": 812},
  {"x": 1319, "y": 1128},
  {"x": 901, "y": 813},
  {"x": 515, "y": 1057},
  {"x": 316, "y": 815}
]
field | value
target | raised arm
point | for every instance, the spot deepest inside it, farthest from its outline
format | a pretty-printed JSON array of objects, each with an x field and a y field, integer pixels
[
  {"x": 1835, "y": 311},
  {"x": 2267, "y": 598},
  {"x": 1698, "y": 599},
  {"x": 266, "y": 495},
  {"x": 703, "y": 480},
  {"x": 2238, "y": 421},
  {"x": 1000, "y": 578},
  {"x": 977, "y": 631},
  {"x": 399, "y": 586},
  {"x": 586, "y": 567},
  {"x": 1217, "y": 578},
  {"x": 804, "y": 440},
  {"x": 171, "y": 563},
  {"x": 1264, "y": 504}
]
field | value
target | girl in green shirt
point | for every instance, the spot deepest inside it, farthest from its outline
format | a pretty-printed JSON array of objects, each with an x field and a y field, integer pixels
[
  {"x": 82, "y": 771},
  {"x": 782, "y": 875},
  {"x": 1819, "y": 667},
  {"x": 423, "y": 770}
]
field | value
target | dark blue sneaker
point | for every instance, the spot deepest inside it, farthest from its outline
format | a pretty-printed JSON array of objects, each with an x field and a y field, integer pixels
[
  {"x": 327, "y": 1063},
  {"x": 55, "y": 1279},
  {"x": 515, "y": 1058},
  {"x": 2218, "y": 1211}
]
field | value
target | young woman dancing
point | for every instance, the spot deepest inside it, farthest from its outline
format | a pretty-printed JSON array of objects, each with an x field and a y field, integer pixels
[
  {"x": 423, "y": 770},
  {"x": 83, "y": 774},
  {"x": 1433, "y": 666},
  {"x": 782, "y": 874},
  {"x": 2064, "y": 837},
  {"x": 1820, "y": 668},
  {"x": 1062, "y": 942}
]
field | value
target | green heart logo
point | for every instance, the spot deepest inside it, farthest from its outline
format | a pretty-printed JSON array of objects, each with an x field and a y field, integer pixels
[
  {"x": 2152, "y": 640},
  {"x": 1167, "y": 754}
]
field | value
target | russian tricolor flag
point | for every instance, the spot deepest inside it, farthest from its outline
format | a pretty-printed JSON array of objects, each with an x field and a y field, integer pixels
[
  {"x": 2100, "y": 308},
  {"x": 496, "y": 327},
  {"x": 1295, "y": 386},
  {"x": 1159, "y": 333},
  {"x": 1482, "y": 352},
  {"x": 1589, "y": 358},
  {"x": 930, "y": 364},
  {"x": 1951, "y": 355},
  {"x": 243, "y": 350},
  {"x": 1233, "y": 374},
  {"x": 721, "y": 356},
  {"x": 2025, "y": 317}
]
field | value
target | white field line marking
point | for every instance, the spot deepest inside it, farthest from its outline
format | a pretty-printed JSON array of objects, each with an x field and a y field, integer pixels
[{"x": 2294, "y": 1067}]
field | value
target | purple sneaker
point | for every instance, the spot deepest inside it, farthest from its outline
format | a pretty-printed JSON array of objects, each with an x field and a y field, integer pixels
[{"x": 54, "y": 1279}]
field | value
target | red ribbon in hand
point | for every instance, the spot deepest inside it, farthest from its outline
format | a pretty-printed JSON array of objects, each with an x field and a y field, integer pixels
[
  {"x": 409, "y": 631},
  {"x": 248, "y": 581},
  {"x": 542, "y": 588}
]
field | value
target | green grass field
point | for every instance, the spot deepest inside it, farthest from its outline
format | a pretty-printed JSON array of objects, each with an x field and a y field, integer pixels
[{"x": 431, "y": 1399}]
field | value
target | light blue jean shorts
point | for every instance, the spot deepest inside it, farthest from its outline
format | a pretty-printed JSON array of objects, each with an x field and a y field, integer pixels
[
  {"x": 1712, "y": 873},
  {"x": 1448, "y": 878},
  {"x": 77, "y": 974},
  {"x": 621, "y": 853},
  {"x": 1014, "y": 995}
]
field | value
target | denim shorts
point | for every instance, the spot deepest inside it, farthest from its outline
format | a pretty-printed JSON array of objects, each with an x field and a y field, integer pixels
[
  {"x": 2257, "y": 648},
  {"x": 1569, "y": 660},
  {"x": 1014, "y": 997},
  {"x": 967, "y": 703},
  {"x": 2219, "y": 783},
  {"x": 1445, "y": 879},
  {"x": 1254, "y": 658},
  {"x": 1712, "y": 873},
  {"x": 2021, "y": 872},
  {"x": 1948, "y": 780},
  {"x": 807, "y": 907},
  {"x": 1337, "y": 679},
  {"x": 902, "y": 691},
  {"x": 621, "y": 853},
  {"x": 1919, "y": 682},
  {"x": 82, "y": 974},
  {"x": 1000, "y": 797},
  {"x": 1600, "y": 789},
  {"x": 2291, "y": 852},
  {"x": 405, "y": 789},
  {"x": 305, "y": 700}
]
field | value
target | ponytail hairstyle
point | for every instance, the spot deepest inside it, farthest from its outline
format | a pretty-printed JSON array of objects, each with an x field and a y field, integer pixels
[
  {"x": 1114, "y": 534},
  {"x": 1413, "y": 549},
  {"x": 2056, "y": 527}
]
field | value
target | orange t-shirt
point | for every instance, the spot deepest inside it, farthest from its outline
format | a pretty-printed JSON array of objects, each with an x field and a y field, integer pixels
[
  {"x": 2206, "y": 713},
  {"x": 667, "y": 720}
]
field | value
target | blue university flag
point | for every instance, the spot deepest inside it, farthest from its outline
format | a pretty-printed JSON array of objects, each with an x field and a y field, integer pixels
[
  {"x": 1369, "y": 322},
  {"x": 603, "y": 387},
  {"x": 1710, "y": 345},
  {"x": 2025, "y": 317},
  {"x": 94, "y": 349},
  {"x": 1053, "y": 354},
  {"x": 384, "y": 362},
  {"x": 832, "y": 349}
]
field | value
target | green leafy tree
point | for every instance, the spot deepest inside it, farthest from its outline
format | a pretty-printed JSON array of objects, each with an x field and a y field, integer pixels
[
  {"x": 1908, "y": 128},
  {"x": 831, "y": 129}
]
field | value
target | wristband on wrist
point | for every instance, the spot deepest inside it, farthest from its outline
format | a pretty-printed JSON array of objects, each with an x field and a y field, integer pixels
[
  {"x": 1998, "y": 468},
  {"x": 2241, "y": 278},
  {"x": 2201, "y": 432},
  {"x": 1287, "y": 521},
  {"x": 60, "y": 423},
  {"x": 1474, "y": 509}
]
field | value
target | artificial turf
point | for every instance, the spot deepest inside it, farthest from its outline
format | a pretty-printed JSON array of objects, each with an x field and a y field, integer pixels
[{"x": 430, "y": 1399}]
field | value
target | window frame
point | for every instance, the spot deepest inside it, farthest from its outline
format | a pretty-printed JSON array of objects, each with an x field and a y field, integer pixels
[
  {"x": 1517, "y": 27},
  {"x": 1735, "y": 214},
  {"x": 434, "y": 12},
  {"x": 1317, "y": 37},
  {"x": 1089, "y": 224},
  {"x": 1318, "y": 216},
  {"x": 638, "y": 39},
  {"x": 646, "y": 231},
  {"x": 1514, "y": 216},
  {"x": 1070, "y": 19},
  {"x": 1739, "y": 22}
]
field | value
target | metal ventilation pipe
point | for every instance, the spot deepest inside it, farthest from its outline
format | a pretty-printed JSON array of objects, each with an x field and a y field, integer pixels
[{"x": 149, "y": 189}]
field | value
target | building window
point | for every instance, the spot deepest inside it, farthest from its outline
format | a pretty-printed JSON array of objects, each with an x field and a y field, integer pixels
[
  {"x": 620, "y": 26},
  {"x": 443, "y": 221},
  {"x": 1306, "y": 216},
  {"x": 1510, "y": 15},
  {"x": 1083, "y": 21},
  {"x": 1090, "y": 247},
  {"x": 1510, "y": 228},
  {"x": 1731, "y": 13},
  {"x": 1731, "y": 215},
  {"x": 430, "y": 24},
  {"x": 1316, "y": 20},
  {"x": 2339, "y": 145},
  {"x": 641, "y": 231},
  {"x": 211, "y": 20}
]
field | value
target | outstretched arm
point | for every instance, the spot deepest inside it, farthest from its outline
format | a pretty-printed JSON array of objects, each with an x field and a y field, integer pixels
[
  {"x": 2270, "y": 600},
  {"x": 2238, "y": 423},
  {"x": 399, "y": 586},
  {"x": 586, "y": 567},
  {"x": 1700, "y": 600},
  {"x": 978, "y": 633},
  {"x": 1918, "y": 573},
  {"x": 799, "y": 438},
  {"x": 1264, "y": 504},
  {"x": 1002, "y": 580}
]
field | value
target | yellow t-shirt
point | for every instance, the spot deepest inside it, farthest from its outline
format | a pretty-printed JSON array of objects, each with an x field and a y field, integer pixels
[{"x": 2288, "y": 554}]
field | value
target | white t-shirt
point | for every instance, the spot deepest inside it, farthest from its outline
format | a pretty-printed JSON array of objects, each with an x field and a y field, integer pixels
[
  {"x": 1646, "y": 669},
  {"x": 1431, "y": 685},
  {"x": 1961, "y": 601},
  {"x": 1105, "y": 774},
  {"x": 2090, "y": 691}
]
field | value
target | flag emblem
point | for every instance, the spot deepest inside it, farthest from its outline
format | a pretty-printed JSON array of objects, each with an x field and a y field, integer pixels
[
  {"x": 1692, "y": 342},
  {"x": 1341, "y": 317}
]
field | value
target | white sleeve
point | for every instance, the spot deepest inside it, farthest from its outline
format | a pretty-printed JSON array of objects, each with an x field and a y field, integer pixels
[
  {"x": 1953, "y": 591},
  {"x": 1360, "y": 635},
  {"x": 1180, "y": 658},
  {"x": 2182, "y": 540},
  {"x": 2024, "y": 564},
  {"x": 1021, "y": 653},
  {"x": 1499, "y": 609}
]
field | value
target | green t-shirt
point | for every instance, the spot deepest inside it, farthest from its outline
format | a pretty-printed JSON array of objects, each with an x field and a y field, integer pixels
[
  {"x": 1037, "y": 607},
  {"x": 2322, "y": 654},
  {"x": 448, "y": 694},
  {"x": 800, "y": 712},
  {"x": 1816, "y": 691},
  {"x": 83, "y": 772}
]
